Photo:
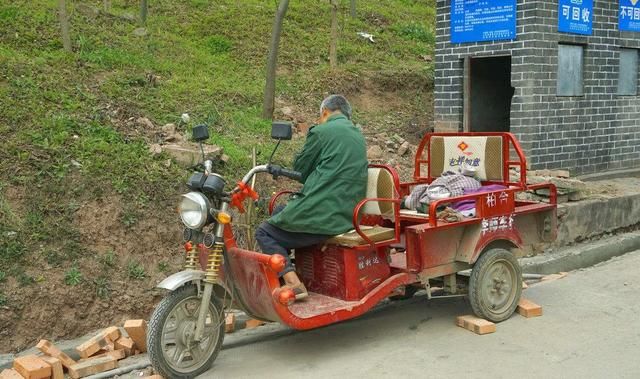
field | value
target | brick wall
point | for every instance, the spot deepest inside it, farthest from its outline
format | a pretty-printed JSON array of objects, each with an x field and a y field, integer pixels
[{"x": 595, "y": 132}]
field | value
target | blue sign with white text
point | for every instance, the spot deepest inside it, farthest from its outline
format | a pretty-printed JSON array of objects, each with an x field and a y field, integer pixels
[
  {"x": 629, "y": 16},
  {"x": 575, "y": 16},
  {"x": 482, "y": 20}
]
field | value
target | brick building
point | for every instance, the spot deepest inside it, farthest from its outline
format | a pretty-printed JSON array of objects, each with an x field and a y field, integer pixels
[{"x": 572, "y": 99}]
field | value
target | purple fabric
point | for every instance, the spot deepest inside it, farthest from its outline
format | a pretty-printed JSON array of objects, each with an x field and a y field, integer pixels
[{"x": 466, "y": 205}]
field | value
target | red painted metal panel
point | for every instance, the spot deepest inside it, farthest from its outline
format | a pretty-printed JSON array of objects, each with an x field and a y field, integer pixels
[
  {"x": 303, "y": 320},
  {"x": 341, "y": 272}
]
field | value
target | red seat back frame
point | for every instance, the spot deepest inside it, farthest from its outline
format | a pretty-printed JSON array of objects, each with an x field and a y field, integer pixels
[
  {"x": 509, "y": 141},
  {"x": 396, "y": 209}
]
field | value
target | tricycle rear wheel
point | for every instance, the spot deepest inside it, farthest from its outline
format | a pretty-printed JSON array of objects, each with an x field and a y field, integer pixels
[{"x": 495, "y": 285}]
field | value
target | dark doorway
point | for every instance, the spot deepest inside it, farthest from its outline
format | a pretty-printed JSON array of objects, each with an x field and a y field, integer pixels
[{"x": 488, "y": 105}]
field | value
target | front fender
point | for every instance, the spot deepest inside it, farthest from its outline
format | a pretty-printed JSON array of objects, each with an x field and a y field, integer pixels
[{"x": 179, "y": 279}]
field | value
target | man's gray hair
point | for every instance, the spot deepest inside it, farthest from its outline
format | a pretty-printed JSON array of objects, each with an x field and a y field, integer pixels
[{"x": 336, "y": 103}]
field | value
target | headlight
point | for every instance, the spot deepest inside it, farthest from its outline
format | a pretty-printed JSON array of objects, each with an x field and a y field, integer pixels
[{"x": 194, "y": 210}]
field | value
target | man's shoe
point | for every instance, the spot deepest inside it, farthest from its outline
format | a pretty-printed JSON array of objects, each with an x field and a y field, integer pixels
[{"x": 299, "y": 290}]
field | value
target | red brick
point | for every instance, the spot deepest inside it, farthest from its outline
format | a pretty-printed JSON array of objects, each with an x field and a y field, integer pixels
[
  {"x": 475, "y": 324},
  {"x": 528, "y": 309},
  {"x": 92, "y": 366},
  {"x": 230, "y": 323},
  {"x": 103, "y": 340},
  {"x": 253, "y": 323},
  {"x": 10, "y": 374},
  {"x": 137, "y": 330},
  {"x": 126, "y": 344},
  {"x": 56, "y": 367},
  {"x": 32, "y": 367},
  {"x": 51, "y": 350},
  {"x": 116, "y": 354}
]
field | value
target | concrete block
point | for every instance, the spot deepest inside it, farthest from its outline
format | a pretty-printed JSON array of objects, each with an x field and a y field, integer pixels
[
  {"x": 528, "y": 308},
  {"x": 57, "y": 371},
  {"x": 92, "y": 366},
  {"x": 51, "y": 350},
  {"x": 475, "y": 324},
  {"x": 589, "y": 218},
  {"x": 137, "y": 331},
  {"x": 32, "y": 367},
  {"x": 10, "y": 374}
]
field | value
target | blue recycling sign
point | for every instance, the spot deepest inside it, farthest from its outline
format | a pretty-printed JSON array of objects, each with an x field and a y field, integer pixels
[
  {"x": 482, "y": 20},
  {"x": 575, "y": 16},
  {"x": 629, "y": 15}
]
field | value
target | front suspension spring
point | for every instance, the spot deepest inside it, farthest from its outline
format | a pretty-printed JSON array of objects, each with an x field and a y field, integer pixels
[
  {"x": 192, "y": 259},
  {"x": 213, "y": 262}
]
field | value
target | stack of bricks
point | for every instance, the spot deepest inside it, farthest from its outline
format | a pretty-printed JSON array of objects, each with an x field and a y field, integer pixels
[{"x": 99, "y": 354}]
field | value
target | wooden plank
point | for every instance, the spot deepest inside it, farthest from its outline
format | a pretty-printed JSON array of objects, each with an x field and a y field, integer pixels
[
  {"x": 137, "y": 331},
  {"x": 57, "y": 371},
  {"x": 528, "y": 308},
  {"x": 32, "y": 367},
  {"x": 475, "y": 324},
  {"x": 92, "y": 366},
  {"x": 51, "y": 350}
]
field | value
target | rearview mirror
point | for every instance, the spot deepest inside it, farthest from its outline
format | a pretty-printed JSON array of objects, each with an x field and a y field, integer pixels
[
  {"x": 200, "y": 133},
  {"x": 281, "y": 130}
]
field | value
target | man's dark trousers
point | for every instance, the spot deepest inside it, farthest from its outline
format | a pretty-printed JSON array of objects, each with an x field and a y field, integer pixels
[{"x": 273, "y": 240}]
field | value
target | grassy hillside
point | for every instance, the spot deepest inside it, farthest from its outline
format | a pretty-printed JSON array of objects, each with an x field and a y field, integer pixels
[{"x": 87, "y": 214}]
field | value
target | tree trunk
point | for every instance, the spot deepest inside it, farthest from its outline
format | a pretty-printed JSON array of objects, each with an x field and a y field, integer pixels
[
  {"x": 144, "y": 9},
  {"x": 353, "y": 9},
  {"x": 272, "y": 61},
  {"x": 333, "y": 49},
  {"x": 64, "y": 25}
]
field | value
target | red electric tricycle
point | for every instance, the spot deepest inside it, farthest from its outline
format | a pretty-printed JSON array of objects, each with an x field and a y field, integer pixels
[{"x": 391, "y": 252}]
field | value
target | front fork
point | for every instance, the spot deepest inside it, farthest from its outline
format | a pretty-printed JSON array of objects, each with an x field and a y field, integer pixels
[{"x": 214, "y": 261}]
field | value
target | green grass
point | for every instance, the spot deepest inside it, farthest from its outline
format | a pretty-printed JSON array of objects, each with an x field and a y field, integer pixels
[{"x": 65, "y": 134}]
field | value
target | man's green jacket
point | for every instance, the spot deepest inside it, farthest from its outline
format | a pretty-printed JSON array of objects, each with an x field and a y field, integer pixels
[{"x": 333, "y": 163}]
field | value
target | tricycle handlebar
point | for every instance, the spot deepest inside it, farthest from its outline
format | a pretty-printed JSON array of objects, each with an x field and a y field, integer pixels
[{"x": 274, "y": 170}]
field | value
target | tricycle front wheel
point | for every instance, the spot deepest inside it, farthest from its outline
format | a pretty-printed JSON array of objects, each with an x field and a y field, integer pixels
[
  {"x": 172, "y": 349},
  {"x": 495, "y": 285}
]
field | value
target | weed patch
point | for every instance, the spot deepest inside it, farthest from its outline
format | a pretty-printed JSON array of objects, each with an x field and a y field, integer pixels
[
  {"x": 135, "y": 271},
  {"x": 73, "y": 276}
]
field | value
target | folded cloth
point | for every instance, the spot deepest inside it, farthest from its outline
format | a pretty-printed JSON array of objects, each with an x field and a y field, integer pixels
[
  {"x": 455, "y": 183},
  {"x": 450, "y": 215}
]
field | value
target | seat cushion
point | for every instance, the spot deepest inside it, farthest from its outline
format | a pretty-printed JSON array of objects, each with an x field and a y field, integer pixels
[{"x": 352, "y": 238}]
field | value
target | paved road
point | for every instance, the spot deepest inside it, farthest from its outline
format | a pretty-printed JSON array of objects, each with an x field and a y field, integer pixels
[{"x": 590, "y": 329}]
